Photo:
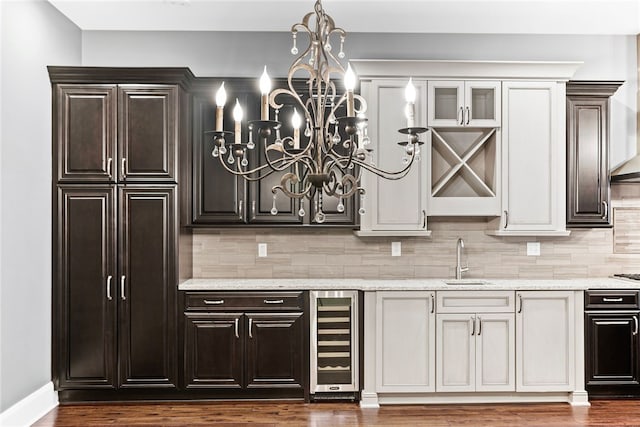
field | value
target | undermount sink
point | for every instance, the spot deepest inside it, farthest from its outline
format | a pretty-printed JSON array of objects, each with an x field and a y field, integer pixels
[{"x": 465, "y": 282}]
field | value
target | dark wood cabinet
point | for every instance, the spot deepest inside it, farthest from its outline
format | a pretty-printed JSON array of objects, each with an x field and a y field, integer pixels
[
  {"x": 147, "y": 287},
  {"x": 85, "y": 132},
  {"x": 612, "y": 346},
  {"x": 588, "y": 185},
  {"x": 222, "y": 199},
  {"x": 116, "y": 142},
  {"x": 247, "y": 343},
  {"x": 116, "y": 315},
  {"x": 148, "y": 123},
  {"x": 612, "y": 365},
  {"x": 274, "y": 356},
  {"x": 109, "y": 133},
  {"x": 85, "y": 301}
]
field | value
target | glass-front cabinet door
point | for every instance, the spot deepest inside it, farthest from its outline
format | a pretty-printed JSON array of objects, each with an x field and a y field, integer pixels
[{"x": 457, "y": 103}]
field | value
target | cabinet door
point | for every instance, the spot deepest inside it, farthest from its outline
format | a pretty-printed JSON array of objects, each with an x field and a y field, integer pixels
[
  {"x": 545, "y": 341},
  {"x": 495, "y": 352},
  {"x": 446, "y": 103},
  {"x": 148, "y": 125},
  {"x": 148, "y": 286},
  {"x": 405, "y": 341},
  {"x": 275, "y": 350},
  {"x": 219, "y": 197},
  {"x": 612, "y": 348},
  {"x": 482, "y": 104},
  {"x": 456, "y": 360},
  {"x": 85, "y": 133},
  {"x": 533, "y": 157},
  {"x": 85, "y": 289},
  {"x": 213, "y": 348},
  {"x": 393, "y": 205},
  {"x": 588, "y": 161}
]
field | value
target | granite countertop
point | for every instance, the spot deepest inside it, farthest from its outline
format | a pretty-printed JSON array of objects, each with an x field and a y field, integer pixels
[{"x": 406, "y": 285}]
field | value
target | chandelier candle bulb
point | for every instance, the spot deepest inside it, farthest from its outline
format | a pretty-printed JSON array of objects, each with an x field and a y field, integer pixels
[
  {"x": 265, "y": 88},
  {"x": 237, "y": 117},
  {"x": 350, "y": 84},
  {"x": 410, "y": 97},
  {"x": 221, "y": 99},
  {"x": 296, "y": 122}
]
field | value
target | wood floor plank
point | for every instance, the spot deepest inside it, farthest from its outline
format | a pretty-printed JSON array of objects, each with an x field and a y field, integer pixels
[{"x": 609, "y": 413}]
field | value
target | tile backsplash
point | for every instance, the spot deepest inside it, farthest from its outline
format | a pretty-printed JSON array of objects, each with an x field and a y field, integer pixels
[{"x": 336, "y": 253}]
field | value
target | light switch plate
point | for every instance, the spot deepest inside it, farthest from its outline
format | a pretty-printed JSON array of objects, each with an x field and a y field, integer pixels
[
  {"x": 396, "y": 249},
  {"x": 262, "y": 250},
  {"x": 533, "y": 248}
]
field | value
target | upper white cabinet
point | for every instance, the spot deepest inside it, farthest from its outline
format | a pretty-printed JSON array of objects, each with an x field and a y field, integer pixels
[
  {"x": 394, "y": 207},
  {"x": 545, "y": 341},
  {"x": 533, "y": 158},
  {"x": 455, "y": 103},
  {"x": 495, "y": 146}
]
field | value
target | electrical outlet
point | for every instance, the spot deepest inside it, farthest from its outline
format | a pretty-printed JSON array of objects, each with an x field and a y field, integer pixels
[
  {"x": 533, "y": 248},
  {"x": 396, "y": 249},
  {"x": 262, "y": 250}
]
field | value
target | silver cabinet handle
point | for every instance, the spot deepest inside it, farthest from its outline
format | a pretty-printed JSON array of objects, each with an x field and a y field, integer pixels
[
  {"x": 468, "y": 115},
  {"x": 109, "y": 162},
  {"x": 122, "y": 294},
  {"x": 605, "y": 214},
  {"x": 520, "y": 301},
  {"x": 612, "y": 299},
  {"x": 253, "y": 208},
  {"x": 473, "y": 326},
  {"x": 433, "y": 303},
  {"x": 461, "y": 115},
  {"x": 635, "y": 323},
  {"x": 240, "y": 209},
  {"x": 236, "y": 322},
  {"x": 424, "y": 219},
  {"x": 506, "y": 219},
  {"x": 214, "y": 302},
  {"x": 109, "y": 288},
  {"x": 250, "y": 322},
  {"x": 124, "y": 168},
  {"x": 274, "y": 301},
  {"x": 479, "y": 325}
]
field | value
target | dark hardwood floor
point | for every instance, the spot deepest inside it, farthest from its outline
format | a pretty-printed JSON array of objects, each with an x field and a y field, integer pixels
[{"x": 601, "y": 413}]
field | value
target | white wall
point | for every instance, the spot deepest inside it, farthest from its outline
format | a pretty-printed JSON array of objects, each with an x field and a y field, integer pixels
[
  {"x": 244, "y": 54},
  {"x": 34, "y": 35}
]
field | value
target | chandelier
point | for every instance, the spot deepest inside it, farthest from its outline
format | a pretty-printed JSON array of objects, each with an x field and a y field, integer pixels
[{"x": 322, "y": 161}]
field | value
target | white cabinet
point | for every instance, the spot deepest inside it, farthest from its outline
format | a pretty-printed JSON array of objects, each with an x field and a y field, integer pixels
[
  {"x": 405, "y": 341},
  {"x": 545, "y": 341},
  {"x": 393, "y": 207},
  {"x": 464, "y": 103},
  {"x": 475, "y": 341},
  {"x": 533, "y": 159}
]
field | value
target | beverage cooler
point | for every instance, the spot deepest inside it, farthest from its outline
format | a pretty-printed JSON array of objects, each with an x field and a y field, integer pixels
[{"x": 335, "y": 367}]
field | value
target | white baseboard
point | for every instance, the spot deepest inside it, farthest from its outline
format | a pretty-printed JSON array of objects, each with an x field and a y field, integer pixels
[{"x": 31, "y": 408}]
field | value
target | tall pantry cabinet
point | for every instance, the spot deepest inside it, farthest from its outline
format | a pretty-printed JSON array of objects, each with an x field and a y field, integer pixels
[{"x": 116, "y": 144}]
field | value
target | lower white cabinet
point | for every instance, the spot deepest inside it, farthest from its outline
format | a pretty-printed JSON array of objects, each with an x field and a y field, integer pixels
[
  {"x": 475, "y": 341},
  {"x": 475, "y": 352},
  {"x": 545, "y": 337},
  {"x": 405, "y": 341}
]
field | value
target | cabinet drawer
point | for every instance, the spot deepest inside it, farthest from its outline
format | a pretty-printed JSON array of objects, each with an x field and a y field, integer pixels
[
  {"x": 214, "y": 301},
  {"x": 475, "y": 301},
  {"x": 608, "y": 299}
]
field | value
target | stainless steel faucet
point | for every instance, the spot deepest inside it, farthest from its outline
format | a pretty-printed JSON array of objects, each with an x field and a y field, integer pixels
[{"x": 459, "y": 268}]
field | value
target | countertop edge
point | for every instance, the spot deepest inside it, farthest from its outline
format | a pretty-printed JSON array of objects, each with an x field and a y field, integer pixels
[{"x": 407, "y": 284}]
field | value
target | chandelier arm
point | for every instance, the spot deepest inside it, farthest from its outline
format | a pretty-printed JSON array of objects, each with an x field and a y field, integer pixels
[
  {"x": 247, "y": 174},
  {"x": 386, "y": 174}
]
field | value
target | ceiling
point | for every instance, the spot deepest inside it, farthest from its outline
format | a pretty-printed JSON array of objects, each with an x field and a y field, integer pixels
[{"x": 397, "y": 16}]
